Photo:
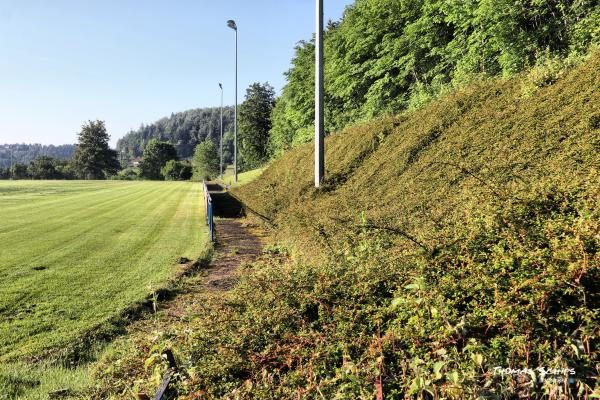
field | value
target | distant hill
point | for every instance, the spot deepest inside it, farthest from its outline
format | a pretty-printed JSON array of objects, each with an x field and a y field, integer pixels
[
  {"x": 183, "y": 129},
  {"x": 24, "y": 153}
]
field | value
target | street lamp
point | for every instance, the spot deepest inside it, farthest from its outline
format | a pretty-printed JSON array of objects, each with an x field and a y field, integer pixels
[
  {"x": 231, "y": 23},
  {"x": 221, "y": 168},
  {"x": 319, "y": 114}
]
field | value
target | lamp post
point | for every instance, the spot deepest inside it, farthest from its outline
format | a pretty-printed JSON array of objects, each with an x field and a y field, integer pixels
[
  {"x": 231, "y": 23},
  {"x": 221, "y": 142},
  {"x": 319, "y": 114}
]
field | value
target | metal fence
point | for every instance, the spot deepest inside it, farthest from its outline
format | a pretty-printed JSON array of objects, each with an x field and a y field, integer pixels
[{"x": 208, "y": 207}]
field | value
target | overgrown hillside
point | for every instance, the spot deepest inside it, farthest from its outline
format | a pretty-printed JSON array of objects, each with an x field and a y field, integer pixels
[
  {"x": 413, "y": 172},
  {"x": 446, "y": 244},
  {"x": 387, "y": 56}
]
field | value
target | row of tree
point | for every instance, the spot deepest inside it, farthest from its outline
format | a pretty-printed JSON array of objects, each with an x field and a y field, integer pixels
[
  {"x": 184, "y": 130},
  {"x": 22, "y": 153},
  {"x": 94, "y": 159},
  {"x": 383, "y": 57},
  {"x": 386, "y": 56},
  {"x": 43, "y": 167}
]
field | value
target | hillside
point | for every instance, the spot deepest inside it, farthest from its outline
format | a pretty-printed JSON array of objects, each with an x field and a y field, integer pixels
[
  {"x": 447, "y": 245},
  {"x": 446, "y": 242},
  {"x": 413, "y": 171},
  {"x": 183, "y": 129},
  {"x": 25, "y": 153}
]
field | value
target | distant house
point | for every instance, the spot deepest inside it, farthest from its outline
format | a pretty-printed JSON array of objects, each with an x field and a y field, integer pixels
[{"x": 136, "y": 161}]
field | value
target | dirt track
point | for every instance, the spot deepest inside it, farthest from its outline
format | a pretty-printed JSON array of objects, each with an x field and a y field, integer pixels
[{"x": 238, "y": 242}]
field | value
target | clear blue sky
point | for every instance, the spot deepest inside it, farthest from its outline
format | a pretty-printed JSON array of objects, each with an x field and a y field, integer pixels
[{"x": 129, "y": 62}]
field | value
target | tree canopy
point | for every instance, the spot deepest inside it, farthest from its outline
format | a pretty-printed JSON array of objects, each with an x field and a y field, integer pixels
[
  {"x": 255, "y": 124},
  {"x": 206, "y": 161},
  {"x": 386, "y": 56},
  {"x": 156, "y": 155},
  {"x": 93, "y": 158},
  {"x": 184, "y": 130},
  {"x": 24, "y": 153}
]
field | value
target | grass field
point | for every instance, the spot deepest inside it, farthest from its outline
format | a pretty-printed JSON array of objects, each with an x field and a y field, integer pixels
[
  {"x": 243, "y": 177},
  {"x": 74, "y": 255}
]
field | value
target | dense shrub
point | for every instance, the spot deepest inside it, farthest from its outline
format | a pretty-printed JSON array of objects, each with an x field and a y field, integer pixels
[{"x": 177, "y": 171}]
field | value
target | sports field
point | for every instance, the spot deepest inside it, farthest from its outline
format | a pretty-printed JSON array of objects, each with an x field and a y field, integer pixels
[{"x": 74, "y": 254}]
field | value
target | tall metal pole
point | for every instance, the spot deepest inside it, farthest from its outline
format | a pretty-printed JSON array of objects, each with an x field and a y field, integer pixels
[
  {"x": 319, "y": 112},
  {"x": 11, "y": 163},
  {"x": 235, "y": 133},
  {"x": 231, "y": 23},
  {"x": 221, "y": 142}
]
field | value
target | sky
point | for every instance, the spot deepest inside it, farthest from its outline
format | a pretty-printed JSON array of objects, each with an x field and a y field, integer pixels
[{"x": 129, "y": 62}]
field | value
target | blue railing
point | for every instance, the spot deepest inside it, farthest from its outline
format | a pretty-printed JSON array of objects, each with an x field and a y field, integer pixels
[{"x": 208, "y": 208}]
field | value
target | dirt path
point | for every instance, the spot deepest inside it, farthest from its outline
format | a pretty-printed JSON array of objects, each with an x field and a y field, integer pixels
[{"x": 238, "y": 242}]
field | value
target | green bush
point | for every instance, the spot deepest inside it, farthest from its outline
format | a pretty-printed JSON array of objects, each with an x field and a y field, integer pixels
[{"x": 177, "y": 171}]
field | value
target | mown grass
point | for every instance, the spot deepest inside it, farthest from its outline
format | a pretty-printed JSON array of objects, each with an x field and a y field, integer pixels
[
  {"x": 75, "y": 256},
  {"x": 243, "y": 177}
]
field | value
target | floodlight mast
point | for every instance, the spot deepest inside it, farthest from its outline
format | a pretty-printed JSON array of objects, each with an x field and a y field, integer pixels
[
  {"x": 231, "y": 24},
  {"x": 319, "y": 111},
  {"x": 221, "y": 142}
]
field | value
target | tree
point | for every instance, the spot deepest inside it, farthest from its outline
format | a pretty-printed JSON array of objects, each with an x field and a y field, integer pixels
[
  {"x": 44, "y": 168},
  {"x": 156, "y": 155},
  {"x": 19, "y": 171},
  {"x": 184, "y": 130},
  {"x": 387, "y": 56},
  {"x": 255, "y": 124},
  {"x": 177, "y": 171},
  {"x": 93, "y": 159},
  {"x": 206, "y": 161}
]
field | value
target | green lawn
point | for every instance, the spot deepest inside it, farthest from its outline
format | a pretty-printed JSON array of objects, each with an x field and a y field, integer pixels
[
  {"x": 75, "y": 254},
  {"x": 243, "y": 177}
]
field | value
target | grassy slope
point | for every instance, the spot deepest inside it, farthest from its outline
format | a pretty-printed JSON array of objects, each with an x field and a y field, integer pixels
[
  {"x": 464, "y": 236},
  {"x": 104, "y": 246},
  {"x": 243, "y": 177},
  {"x": 445, "y": 242},
  {"x": 414, "y": 170}
]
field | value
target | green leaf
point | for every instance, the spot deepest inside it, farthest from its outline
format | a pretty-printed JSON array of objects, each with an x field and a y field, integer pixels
[
  {"x": 437, "y": 367},
  {"x": 453, "y": 377}
]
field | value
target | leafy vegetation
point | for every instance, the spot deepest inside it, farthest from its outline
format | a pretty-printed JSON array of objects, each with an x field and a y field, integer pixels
[
  {"x": 177, "y": 171},
  {"x": 93, "y": 159},
  {"x": 184, "y": 130},
  {"x": 206, "y": 161},
  {"x": 156, "y": 155},
  {"x": 386, "y": 56},
  {"x": 11, "y": 154},
  {"x": 255, "y": 124},
  {"x": 446, "y": 242}
]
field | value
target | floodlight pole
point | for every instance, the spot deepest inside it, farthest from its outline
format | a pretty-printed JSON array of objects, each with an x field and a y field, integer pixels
[
  {"x": 221, "y": 142},
  {"x": 11, "y": 163},
  {"x": 231, "y": 23},
  {"x": 319, "y": 112}
]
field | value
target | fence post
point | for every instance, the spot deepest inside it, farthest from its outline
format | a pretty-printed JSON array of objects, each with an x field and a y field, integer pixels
[{"x": 208, "y": 208}]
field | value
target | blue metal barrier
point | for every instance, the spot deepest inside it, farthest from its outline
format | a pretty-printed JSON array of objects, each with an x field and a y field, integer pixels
[{"x": 208, "y": 208}]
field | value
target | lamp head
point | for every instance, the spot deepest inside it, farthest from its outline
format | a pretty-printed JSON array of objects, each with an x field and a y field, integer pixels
[
  {"x": 232, "y": 25},
  {"x": 221, "y": 86}
]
